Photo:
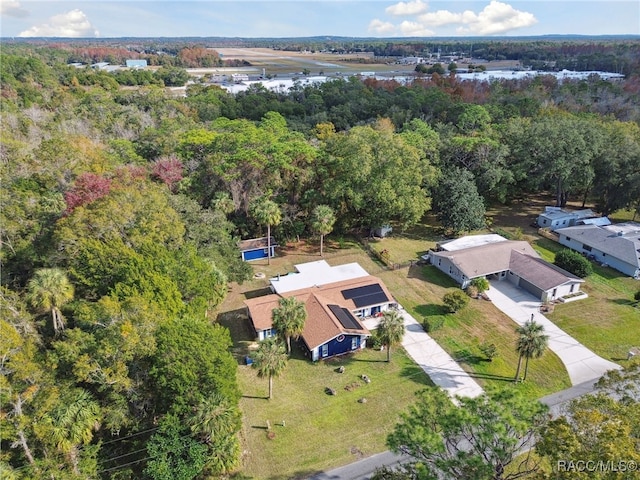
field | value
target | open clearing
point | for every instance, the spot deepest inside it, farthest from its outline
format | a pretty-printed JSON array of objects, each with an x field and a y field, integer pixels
[{"x": 292, "y": 62}]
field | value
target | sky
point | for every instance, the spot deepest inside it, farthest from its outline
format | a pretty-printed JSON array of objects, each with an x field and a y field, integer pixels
[{"x": 303, "y": 18}]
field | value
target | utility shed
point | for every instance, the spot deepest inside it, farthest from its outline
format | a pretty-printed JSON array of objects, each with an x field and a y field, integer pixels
[{"x": 257, "y": 248}]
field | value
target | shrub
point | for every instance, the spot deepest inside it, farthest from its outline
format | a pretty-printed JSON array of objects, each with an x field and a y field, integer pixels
[
  {"x": 481, "y": 283},
  {"x": 489, "y": 350},
  {"x": 455, "y": 300},
  {"x": 573, "y": 262},
  {"x": 472, "y": 291},
  {"x": 431, "y": 324},
  {"x": 636, "y": 296}
]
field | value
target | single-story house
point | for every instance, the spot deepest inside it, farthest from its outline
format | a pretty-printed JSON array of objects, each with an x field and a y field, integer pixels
[
  {"x": 616, "y": 245},
  {"x": 256, "y": 248},
  {"x": 556, "y": 217},
  {"x": 515, "y": 261},
  {"x": 335, "y": 309}
]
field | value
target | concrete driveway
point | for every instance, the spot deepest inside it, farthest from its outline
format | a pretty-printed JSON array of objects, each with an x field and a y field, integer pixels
[
  {"x": 581, "y": 363},
  {"x": 431, "y": 357}
]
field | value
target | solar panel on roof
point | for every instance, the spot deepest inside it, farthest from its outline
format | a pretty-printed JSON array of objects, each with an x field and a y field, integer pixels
[
  {"x": 365, "y": 296},
  {"x": 359, "y": 291},
  {"x": 344, "y": 317}
]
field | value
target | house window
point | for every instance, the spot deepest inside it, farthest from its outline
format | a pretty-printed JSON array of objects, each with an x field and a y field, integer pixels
[
  {"x": 354, "y": 343},
  {"x": 586, "y": 247},
  {"x": 325, "y": 350},
  {"x": 571, "y": 289},
  {"x": 439, "y": 261},
  {"x": 568, "y": 239},
  {"x": 544, "y": 221}
]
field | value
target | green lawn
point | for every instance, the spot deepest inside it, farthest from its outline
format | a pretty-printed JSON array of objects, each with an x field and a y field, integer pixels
[
  {"x": 323, "y": 431},
  {"x": 607, "y": 322}
]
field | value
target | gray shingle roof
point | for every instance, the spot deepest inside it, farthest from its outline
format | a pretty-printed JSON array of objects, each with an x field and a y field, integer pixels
[
  {"x": 624, "y": 247},
  {"x": 486, "y": 259},
  {"x": 538, "y": 272}
]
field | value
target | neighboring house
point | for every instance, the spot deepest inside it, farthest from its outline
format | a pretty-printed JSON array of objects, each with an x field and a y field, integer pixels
[
  {"x": 503, "y": 259},
  {"x": 256, "y": 248},
  {"x": 617, "y": 245},
  {"x": 556, "y": 217},
  {"x": 335, "y": 306}
]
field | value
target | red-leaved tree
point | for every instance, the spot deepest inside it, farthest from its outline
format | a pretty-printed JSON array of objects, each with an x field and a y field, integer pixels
[
  {"x": 87, "y": 188},
  {"x": 168, "y": 170}
]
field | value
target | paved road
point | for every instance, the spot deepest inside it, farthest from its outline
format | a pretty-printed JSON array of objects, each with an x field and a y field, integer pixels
[
  {"x": 364, "y": 469},
  {"x": 431, "y": 357},
  {"x": 582, "y": 364}
]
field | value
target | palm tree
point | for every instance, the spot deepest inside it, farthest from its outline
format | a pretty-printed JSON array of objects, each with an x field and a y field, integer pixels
[
  {"x": 216, "y": 422},
  {"x": 532, "y": 342},
  {"x": 270, "y": 360},
  {"x": 72, "y": 423},
  {"x": 391, "y": 330},
  {"x": 49, "y": 289},
  {"x": 322, "y": 221},
  {"x": 289, "y": 319},
  {"x": 266, "y": 212}
]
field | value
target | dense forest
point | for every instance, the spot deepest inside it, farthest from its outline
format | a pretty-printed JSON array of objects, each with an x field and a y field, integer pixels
[{"x": 121, "y": 209}]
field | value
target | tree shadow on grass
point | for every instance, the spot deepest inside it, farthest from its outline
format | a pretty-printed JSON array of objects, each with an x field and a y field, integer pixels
[
  {"x": 430, "y": 309},
  {"x": 465, "y": 356},
  {"x": 415, "y": 373},
  {"x": 488, "y": 376},
  {"x": 241, "y": 331},
  {"x": 624, "y": 301},
  {"x": 431, "y": 274}
]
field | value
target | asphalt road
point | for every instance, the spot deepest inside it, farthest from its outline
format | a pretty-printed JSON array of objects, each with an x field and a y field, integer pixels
[{"x": 364, "y": 469}]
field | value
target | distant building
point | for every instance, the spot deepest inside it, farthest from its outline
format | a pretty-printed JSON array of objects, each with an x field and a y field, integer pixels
[
  {"x": 136, "y": 63},
  {"x": 240, "y": 77}
]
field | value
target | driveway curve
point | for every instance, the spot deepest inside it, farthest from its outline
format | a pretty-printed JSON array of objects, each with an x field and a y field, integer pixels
[
  {"x": 443, "y": 370},
  {"x": 581, "y": 363}
]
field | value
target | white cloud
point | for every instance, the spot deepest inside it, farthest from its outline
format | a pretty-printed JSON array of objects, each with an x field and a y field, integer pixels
[
  {"x": 414, "y": 29},
  {"x": 380, "y": 27},
  {"x": 410, "y": 8},
  {"x": 11, "y": 8},
  {"x": 71, "y": 24},
  {"x": 440, "y": 18},
  {"x": 495, "y": 18}
]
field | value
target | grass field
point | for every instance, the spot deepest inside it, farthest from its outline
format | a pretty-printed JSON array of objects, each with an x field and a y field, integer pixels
[{"x": 323, "y": 431}]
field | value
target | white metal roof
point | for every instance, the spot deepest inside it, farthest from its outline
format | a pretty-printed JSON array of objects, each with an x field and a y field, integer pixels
[
  {"x": 470, "y": 241},
  {"x": 316, "y": 273}
]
